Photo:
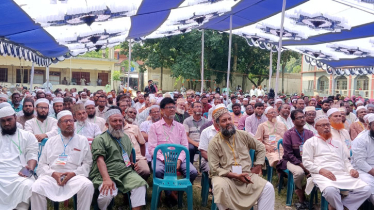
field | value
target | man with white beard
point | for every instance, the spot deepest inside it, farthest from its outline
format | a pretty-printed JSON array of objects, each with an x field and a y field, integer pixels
[
  {"x": 181, "y": 113},
  {"x": 18, "y": 149},
  {"x": 63, "y": 168},
  {"x": 130, "y": 116},
  {"x": 92, "y": 118},
  {"x": 111, "y": 170},
  {"x": 83, "y": 97},
  {"x": 82, "y": 126}
]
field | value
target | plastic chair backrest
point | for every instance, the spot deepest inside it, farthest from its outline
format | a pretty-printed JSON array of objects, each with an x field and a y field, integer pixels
[
  {"x": 318, "y": 109},
  {"x": 279, "y": 142},
  {"x": 133, "y": 154},
  {"x": 205, "y": 115},
  {"x": 252, "y": 154},
  {"x": 171, "y": 153}
]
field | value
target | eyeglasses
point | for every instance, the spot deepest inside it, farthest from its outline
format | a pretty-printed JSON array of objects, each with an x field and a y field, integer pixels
[
  {"x": 155, "y": 112},
  {"x": 42, "y": 107},
  {"x": 170, "y": 107},
  {"x": 311, "y": 114},
  {"x": 67, "y": 121},
  {"x": 272, "y": 113},
  {"x": 324, "y": 125},
  {"x": 300, "y": 118}
]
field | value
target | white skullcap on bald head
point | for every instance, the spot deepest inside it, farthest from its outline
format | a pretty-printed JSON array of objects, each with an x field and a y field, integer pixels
[
  {"x": 320, "y": 117},
  {"x": 267, "y": 109},
  {"x": 5, "y": 104},
  {"x": 41, "y": 100},
  {"x": 252, "y": 101},
  {"x": 6, "y": 111},
  {"x": 89, "y": 102},
  {"x": 370, "y": 118},
  {"x": 360, "y": 107},
  {"x": 58, "y": 100},
  {"x": 111, "y": 112},
  {"x": 310, "y": 108},
  {"x": 4, "y": 96},
  {"x": 331, "y": 111},
  {"x": 278, "y": 100},
  {"x": 63, "y": 113}
]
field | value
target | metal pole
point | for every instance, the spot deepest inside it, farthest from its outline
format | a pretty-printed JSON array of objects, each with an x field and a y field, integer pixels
[
  {"x": 333, "y": 85},
  {"x": 32, "y": 76},
  {"x": 71, "y": 79},
  {"x": 270, "y": 69},
  {"x": 47, "y": 77},
  {"x": 229, "y": 59},
  {"x": 128, "y": 73},
  {"x": 202, "y": 60},
  {"x": 279, "y": 48}
]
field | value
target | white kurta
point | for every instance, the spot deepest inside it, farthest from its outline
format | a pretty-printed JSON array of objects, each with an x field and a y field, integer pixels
[
  {"x": 253, "y": 92},
  {"x": 363, "y": 157},
  {"x": 288, "y": 123},
  {"x": 344, "y": 138},
  {"x": 48, "y": 126},
  {"x": 311, "y": 128},
  {"x": 13, "y": 188},
  {"x": 89, "y": 130},
  {"x": 79, "y": 161},
  {"x": 98, "y": 121},
  {"x": 318, "y": 154}
]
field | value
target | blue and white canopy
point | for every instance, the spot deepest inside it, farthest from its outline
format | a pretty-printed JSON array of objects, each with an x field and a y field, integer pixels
[{"x": 332, "y": 33}]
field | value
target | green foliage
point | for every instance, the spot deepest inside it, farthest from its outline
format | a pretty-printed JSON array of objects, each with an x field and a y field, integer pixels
[
  {"x": 117, "y": 75},
  {"x": 94, "y": 54}
]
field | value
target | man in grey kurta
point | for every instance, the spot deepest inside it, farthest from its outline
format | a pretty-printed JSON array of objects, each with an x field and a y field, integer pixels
[
  {"x": 112, "y": 167},
  {"x": 235, "y": 184}
]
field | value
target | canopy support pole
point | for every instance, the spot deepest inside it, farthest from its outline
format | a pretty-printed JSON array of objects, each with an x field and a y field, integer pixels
[
  {"x": 128, "y": 73},
  {"x": 333, "y": 85},
  {"x": 71, "y": 79},
  {"x": 202, "y": 60},
  {"x": 32, "y": 76},
  {"x": 279, "y": 49},
  {"x": 47, "y": 77},
  {"x": 229, "y": 59},
  {"x": 270, "y": 69}
]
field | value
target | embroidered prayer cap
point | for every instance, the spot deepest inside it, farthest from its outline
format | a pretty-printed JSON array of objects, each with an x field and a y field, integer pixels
[
  {"x": 41, "y": 100},
  {"x": 310, "y": 108},
  {"x": 167, "y": 95},
  {"x": 77, "y": 107},
  {"x": 6, "y": 111},
  {"x": 331, "y": 111},
  {"x": 320, "y": 117},
  {"x": 342, "y": 109},
  {"x": 63, "y": 113},
  {"x": 218, "y": 111},
  {"x": 111, "y": 112},
  {"x": 110, "y": 96},
  {"x": 58, "y": 100},
  {"x": 89, "y": 102},
  {"x": 359, "y": 102},
  {"x": 267, "y": 109},
  {"x": 360, "y": 107},
  {"x": 4, "y": 96},
  {"x": 181, "y": 101},
  {"x": 5, "y": 104},
  {"x": 278, "y": 100},
  {"x": 370, "y": 118}
]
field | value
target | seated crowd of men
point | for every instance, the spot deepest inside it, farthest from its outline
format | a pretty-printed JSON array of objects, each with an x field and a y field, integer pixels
[{"x": 63, "y": 144}]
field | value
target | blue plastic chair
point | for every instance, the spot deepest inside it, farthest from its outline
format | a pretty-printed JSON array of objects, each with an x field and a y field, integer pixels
[
  {"x": 170, "y": 181},
  {"x": 205, "y": 115},
  {"x": 204, "y": 185},
  {"x": 324, "y": 203},
  {"x": 290, "y": 181},
  {"x": 41, "y": 145},
  {"x": 318, "y": 109},
  {"x": 252, "y": 154},
  {"x": 269, "y": 170}
]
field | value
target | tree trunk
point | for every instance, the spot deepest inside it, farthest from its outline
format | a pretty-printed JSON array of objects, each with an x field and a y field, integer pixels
[
  {"x": 283, "y": 68},
  {"x": 244, "y": 81},
  {"x": 235, "y": 61},
  {"x": 162, "y": 73}
]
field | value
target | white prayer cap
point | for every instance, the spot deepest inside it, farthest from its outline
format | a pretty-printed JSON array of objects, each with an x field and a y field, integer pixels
[
  {"x": 63, "y": 113},
  {"x": 310, "y": 108},
  {"x": 320, "y": 117},
  {"x": 245, "y": 99},
  {"x": 110, "y": 96},
  {"x": 48, "y": 92},
  {"x": 4, "y": 96},
  {"x": 4, "y": 104},
  {"x": 367, "y": 116},
  {"x": 342, "y": 109},
  {"x": 370, "y": 118},
  {"x": 74, "y": 100},
  {"x": 278, "y": 100},
  {"x": 360, "y": 107},
  {"x": 331, "y": 111},
  {"x": 91, "y": 95},
  {"x": 75, "y": 94},
  {"x": 6, "y": 111},
  {"x": 58, "y": 100},
  {"x": 41, "y": 100},
  {"x": 267, "y": 109},
  {"x": 111, "y": 112},
  {"x": 359, "y": 102},
  {"x": 252, "y": 101},
  {"x": 89, "y": 102},
  {"x": 294, "y": 100},
  {"x": 53, "y": 95}
]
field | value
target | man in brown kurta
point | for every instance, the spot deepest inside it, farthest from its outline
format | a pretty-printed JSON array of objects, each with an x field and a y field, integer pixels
[
  {"x": 235, "y": 185},
  {"x": 358, "y": 126},
  {"x": 269, "y": 133}
]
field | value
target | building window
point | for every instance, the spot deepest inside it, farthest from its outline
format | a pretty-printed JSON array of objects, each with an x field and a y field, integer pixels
[
  {"x": 77, "y": 78},
  {"x": 3, "y": 75},
  {"x": 310, "y": 85},
  {"x": 341, "y": 83},
  {"x": 362, "y": 83},
  {"x": 323, "y": 83},
  {"x": 54, "y": 78},
  {"x": 25, "y": 76},
  {"x": 38, "y": 77}
]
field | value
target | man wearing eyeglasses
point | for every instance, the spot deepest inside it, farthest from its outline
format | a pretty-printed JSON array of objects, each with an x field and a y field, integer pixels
[
  {"x": 168, "y": 131},
  {"x": 337, "y": 129},
  {"x": 42, "y": 126},
  {"x": 325, "y": 158},
  {"x": 310, "y": 115},
  {"x": 269, "y": 133},
  {"x": 63, "y": 168}
]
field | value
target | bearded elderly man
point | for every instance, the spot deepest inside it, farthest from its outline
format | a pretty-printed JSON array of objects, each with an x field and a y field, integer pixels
[
  {"x": 18, "y": 149},
  {"x": 360, "y": 125},
  {"x": 235, "y": 185},
  {"x": 42, "y": 126},
  {"x": 284, "y": 115},
  {"x": 155, "y": 114},
  {"x": 92, "y": 118},
  {"x": 310, "y": 115},
  {"x": 63, "y": 168},
  {"x": 181, "y": 113},
  {"x": 363, "y": 155},
  {"x": 3, "y": 98},
  {"x": 82, "y": 126},
  {"x": 130, "y": 115},
  {"x": 337, "y": 129},
  {"x": 269, "y": 133},
  {"x": 111, "y": 170},
  {"x": 325, "y": 158}
]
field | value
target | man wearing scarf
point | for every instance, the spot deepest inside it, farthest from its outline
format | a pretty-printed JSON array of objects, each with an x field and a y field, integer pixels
[
  {"x": 235, "y": 185},
  {"x": 360, "y": 125},
  {"x": 325, "y": 158},
  {"x": 337, "y": 130}
]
